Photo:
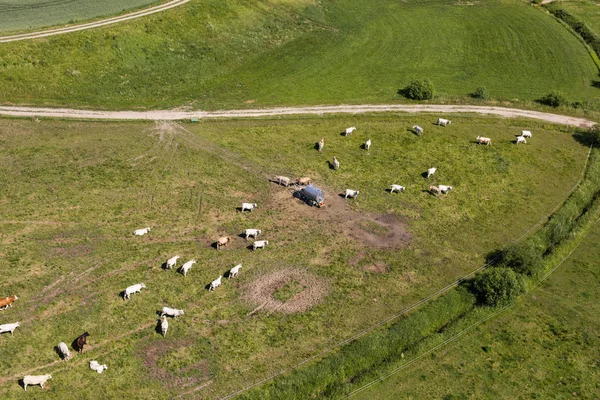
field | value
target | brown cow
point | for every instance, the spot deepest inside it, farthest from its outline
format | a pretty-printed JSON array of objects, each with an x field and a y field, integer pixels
[
  {"x": 81, "y": 341},
  {"x": 223, "y": 241},
  {"x": 7, "y": 301},
  {"x": 303, "y": 181}
]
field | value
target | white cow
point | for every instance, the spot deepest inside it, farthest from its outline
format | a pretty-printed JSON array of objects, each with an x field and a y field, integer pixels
[
  {"x": 35, "y": 380},
  {"x": 259, "y": 244},
  {"x": 64, "y": 351},
  {"x": 216, "y": 283},
  {"x": 248, "y": 206},
  {"x": 521, "y": 139},
  {"x": 350, "y": 130},
  {"x": 397, "y": 188},
  {"x": 368, "y": 145},
  {"x": 351, "y": 193},
  {"x": 445, "y": 188},
  {"x": 282, "y": 180},
  {"x": 443, "y": 122},
  {"x": 418, "y": 129},
  {"x": 484, "y": 140},
  {"x": 336, "y": 163},
  {"x": 234, "y": 271},
  {"x": 9, "y": 328},
  {"x": 321, "y": 144},
  {"x": 164, "y": 326},
  {"x": 97, "y": 367},
  {"x": 526, "y": 134},
  {"x": 171, "y": 262},
  {"x": 431, "y": 171},
  {"x": 141, "y": 232},
  {"x": 252, "y": 232},
  {"x": 186, "y": 267},
  {"x": 171, "y": 312},
  {"x": 137, "y": 288}
]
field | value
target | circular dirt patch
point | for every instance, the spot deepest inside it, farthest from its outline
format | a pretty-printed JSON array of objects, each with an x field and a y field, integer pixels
[
  {"x": 381, "y": 231},
  {"x": 288, "y": 291}
]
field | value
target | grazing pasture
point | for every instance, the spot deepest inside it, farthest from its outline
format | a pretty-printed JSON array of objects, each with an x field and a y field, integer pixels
[
  {"x": 213, "y": 54},
  {"x": 19, "y": 15},
  {"x": 74, "y": 192},
  {"x": 544, "y": 347}
]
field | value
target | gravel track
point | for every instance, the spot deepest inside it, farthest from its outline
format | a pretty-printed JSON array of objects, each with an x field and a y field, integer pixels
[
  {"x": 173, "y": 115},
  {"x": 95, "y": 24}
]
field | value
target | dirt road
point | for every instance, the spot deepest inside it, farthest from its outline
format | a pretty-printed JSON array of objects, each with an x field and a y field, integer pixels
[
  {"x": 171, "y": 115},
  {"x": 95, "y": 24}
]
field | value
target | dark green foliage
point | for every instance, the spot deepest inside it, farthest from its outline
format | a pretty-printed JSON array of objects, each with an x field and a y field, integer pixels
[
  {"x": 554, "y": 99},
  {"x": 330, "y": 377},
  {"x": 586, "y": 33},
  {"x": 481, "y": 93},
  {"x": 497, "y": 286},
  {"x": 523, "y": 258},
  {"x": 420, "y": 89}
]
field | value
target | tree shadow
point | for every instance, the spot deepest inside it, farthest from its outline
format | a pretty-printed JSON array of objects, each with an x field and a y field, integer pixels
[
  {"x": 596, "y": 84},
  {"x": 495, "y": 257},
  {"x": 587, "y": 137}
]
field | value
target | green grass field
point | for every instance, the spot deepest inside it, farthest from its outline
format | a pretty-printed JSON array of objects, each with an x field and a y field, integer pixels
[
  {"x": 585, "y": 10},
  {"x": 213, "y": 54},
  {"x": 19, "y": 15},
  {"x": 543, "y": 348},
  {"x": 74, "y": 192}
]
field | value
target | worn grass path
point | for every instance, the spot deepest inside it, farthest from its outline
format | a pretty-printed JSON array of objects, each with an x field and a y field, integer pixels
[
  {"x": 171, "y": 115},
  {"x": 95, "y": 24}
]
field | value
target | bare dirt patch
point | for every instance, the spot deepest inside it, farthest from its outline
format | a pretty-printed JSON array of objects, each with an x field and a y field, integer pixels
[
  {"x": 383, "y": 231},
  {"x": 309, "y": 290},
  {"x": 152, "y": 353},
  {"x": 377, "y": 268}
]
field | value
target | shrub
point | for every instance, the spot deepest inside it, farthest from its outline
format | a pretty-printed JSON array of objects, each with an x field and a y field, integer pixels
[
  {"x": 554, "y": 99},
  {"x": 523, "y": 258},
  {"x": 497, "y": 286},
  {"x": 421, "y": 89},
  {"x": 481, "y": 93}
]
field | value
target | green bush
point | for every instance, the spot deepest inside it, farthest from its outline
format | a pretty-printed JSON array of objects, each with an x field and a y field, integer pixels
[
  {"x": 481, "y": 93},
  {"x": 524, "y": 258},
  {"x": 497, "y": 286},
  {"x": 554, "y": 99},
  {"x": 420, "y": 89}
]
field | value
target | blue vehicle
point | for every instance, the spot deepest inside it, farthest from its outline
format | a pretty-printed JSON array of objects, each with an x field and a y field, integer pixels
[{"x": 312, "y": 195}]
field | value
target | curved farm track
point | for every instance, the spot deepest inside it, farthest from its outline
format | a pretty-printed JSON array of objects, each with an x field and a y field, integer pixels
[
  {"x": 95, "y": 24},
  {"x": 173, "y": 115}
]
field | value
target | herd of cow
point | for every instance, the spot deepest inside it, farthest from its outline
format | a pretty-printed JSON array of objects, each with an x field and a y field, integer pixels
[{"x": 81, "y": 341}]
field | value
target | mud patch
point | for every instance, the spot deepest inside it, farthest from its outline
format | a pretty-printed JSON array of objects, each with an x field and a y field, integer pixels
[
  {"x": 377, "y": 268},
  {"x": 383, "y": 231},
  {"x": 300, "y": 289},
  {"x": 151, "y": 355}
]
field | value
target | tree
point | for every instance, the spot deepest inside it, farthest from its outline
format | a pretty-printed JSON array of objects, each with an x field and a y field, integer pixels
[
  {"x": 554, "y": 99},
  {"x": 481, "y": 93},
  {"x": 420, "y": 89},
  {"x": 497, "y": 286},
  {"x": 523, "y": 258}
]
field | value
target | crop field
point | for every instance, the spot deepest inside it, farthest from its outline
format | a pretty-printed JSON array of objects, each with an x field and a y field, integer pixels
[
  {"x": 213, "y": 54},
  {"x": 544, "y": 347},
  {"x": 75, "y": 191},
  {"x": 18, "y": 15}
]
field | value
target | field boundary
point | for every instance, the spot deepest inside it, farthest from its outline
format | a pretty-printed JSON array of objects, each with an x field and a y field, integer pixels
[
  {"x": 174, "y": 115},
  {"x": 89, "y": 25}
]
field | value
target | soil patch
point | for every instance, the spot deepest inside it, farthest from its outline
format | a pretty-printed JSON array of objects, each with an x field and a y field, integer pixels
[
  {"x": 377, "y": 268},
  {"x": 304, "y": 290},
  {"x": 382, "y": 231},
  {"x": 153, "y": 352}
]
